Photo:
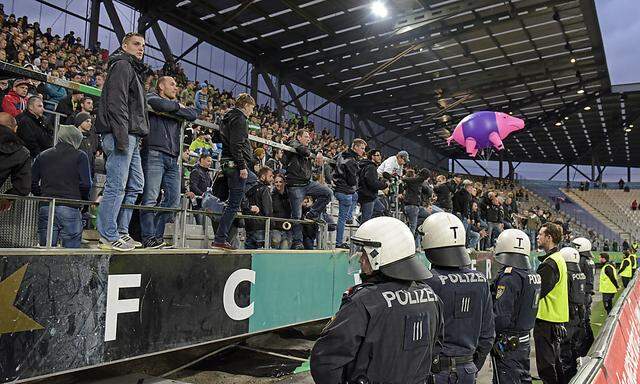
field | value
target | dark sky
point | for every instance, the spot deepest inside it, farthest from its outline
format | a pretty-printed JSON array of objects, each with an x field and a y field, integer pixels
[{"x": 620, "y": 27}]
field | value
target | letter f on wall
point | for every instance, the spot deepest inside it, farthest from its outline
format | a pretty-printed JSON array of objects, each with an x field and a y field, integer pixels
[{"x": 116, "y": 306}]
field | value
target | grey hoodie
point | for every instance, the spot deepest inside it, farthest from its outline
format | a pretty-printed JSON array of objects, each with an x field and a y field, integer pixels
[{"x": 69, "y": 134}]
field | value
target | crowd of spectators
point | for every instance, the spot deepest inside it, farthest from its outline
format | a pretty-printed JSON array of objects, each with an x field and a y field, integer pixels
[{"x": 287, "y": 185}]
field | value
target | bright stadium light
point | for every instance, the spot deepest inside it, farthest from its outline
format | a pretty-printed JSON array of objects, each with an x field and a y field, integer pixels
[
  {"x": 379, "y": 9},
  {"x": 587, "y": 108}
]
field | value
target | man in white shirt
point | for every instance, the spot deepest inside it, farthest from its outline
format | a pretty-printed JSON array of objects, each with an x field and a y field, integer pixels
[{"x": 393, "y": 164}]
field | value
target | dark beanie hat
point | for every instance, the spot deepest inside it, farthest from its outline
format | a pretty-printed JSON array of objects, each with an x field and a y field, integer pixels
[{"x": 81, "y": 118}]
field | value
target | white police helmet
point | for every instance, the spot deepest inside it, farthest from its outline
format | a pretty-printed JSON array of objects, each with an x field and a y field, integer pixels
[
  {"x": 390, "y": 248},
  {"x": 570, "y": 255},
  {"x": 443, "y": 240},
  {"x": 583, "y": 245},
  {"x": 513, "y": 248}
]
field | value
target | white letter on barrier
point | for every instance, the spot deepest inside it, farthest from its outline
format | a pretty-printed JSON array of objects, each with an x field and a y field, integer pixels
[
  {"x": 228, "y": 296},
  {"x": 115, "y": 305}
]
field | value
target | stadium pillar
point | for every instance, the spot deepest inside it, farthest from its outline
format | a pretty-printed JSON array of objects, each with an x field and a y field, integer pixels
[
  {"x": 593, "y": 169},
  {"x": 453, "y": 165},
  {"x": 162, "y": 42},
  {"x": 628, "y": 174},
  {"x": 275, "y": 93},
  {"x": 341, "y": 132},
  {"x": 254, "y": 83},
  {"x": 94, "y": 23},
  {"x": 500, "y": 168},
  {"x": 568, "y": 167},
  {"x": 114, "y": 19}
]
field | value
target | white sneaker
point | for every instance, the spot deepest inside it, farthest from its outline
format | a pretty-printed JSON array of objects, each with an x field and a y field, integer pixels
[
  {"x": 116, "y": 245},
  {"x": 129, "y": 240}
]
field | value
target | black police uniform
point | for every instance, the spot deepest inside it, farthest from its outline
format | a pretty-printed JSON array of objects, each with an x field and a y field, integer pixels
[
  {"x": 386, "y": 331},
  {"x": 468, "y": 314},
  {"x": 516, "y": 292},
  {"x": 575, "y": 326},
  {"x": 588, "y": 267}
]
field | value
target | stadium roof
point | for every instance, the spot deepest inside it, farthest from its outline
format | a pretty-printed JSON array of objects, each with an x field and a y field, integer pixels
[{"x": 427, "y": 64}]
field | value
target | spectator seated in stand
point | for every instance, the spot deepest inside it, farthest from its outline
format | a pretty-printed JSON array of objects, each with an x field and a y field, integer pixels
[
  {"x": 15, "y": 102},
  {"x": 281, "y": 235},
  {"x": 15, "y": 161},
  {"x": 258, "y": 201}
]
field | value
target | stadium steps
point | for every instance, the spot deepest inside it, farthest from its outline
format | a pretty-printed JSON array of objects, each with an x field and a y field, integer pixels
[{"x": 601, "y": 206}]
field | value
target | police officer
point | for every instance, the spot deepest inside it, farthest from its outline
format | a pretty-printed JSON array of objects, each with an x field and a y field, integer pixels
[
  {"x": 577, "y": 302},
  {"x": 515, "y": 291},
  {"x": 553, "y": 308},
  {"x": 626, "y": 269},
  {"x": 608, "y": 282},
  {"x": 588, "y": 267},
  {"x": 634, "y": 259},
  {"x": 388, "y": 328},
  {"x": 469, "y": 332}
]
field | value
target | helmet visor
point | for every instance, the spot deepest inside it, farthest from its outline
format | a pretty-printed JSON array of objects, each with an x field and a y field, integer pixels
[{"x": 355, "y": 252}]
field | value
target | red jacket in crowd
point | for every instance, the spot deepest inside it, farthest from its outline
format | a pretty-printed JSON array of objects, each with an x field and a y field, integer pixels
[{"x": 14, "y": 104}]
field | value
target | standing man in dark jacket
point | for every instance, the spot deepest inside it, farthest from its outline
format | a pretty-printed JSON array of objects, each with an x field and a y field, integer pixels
[
  {"x": 15, "y": 161},
  {"x": 299, "y": 183},
  {"x": 33, "y": 129},
  {"x": 62, "y": 172},
  {"x": 281, "y": 233},
  {"x": 122, "y": 121},
  {"x": 443, "y": 193},
  {"x": 258, "y": 202},
  {"x": 345, "y": 180},
  {"x": 413, "y": 199},
  {"x": 69, "y": 106},
  {"x": 160, "y": 152},
  {"x": 237, "y": 162},
  {"x": 588, "y": 267},
  {"x": 369, "y": 184},
  {"x": 90, "y": 142}
]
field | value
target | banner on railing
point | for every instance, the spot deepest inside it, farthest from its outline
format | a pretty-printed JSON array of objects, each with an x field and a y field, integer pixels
[{"x": 620, "y": 363}]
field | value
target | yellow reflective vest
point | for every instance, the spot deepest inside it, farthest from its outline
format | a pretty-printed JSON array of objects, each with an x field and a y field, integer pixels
[
  {"x": 606, "y": 285},
  {"x": 628, "y": 269},
  {"x": 555, "y": 306}
]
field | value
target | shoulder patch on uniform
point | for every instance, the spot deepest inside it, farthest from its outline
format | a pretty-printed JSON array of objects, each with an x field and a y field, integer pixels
[
  {"x": 353, "y": 290},
  {"x": 508, "y": 270},
  {"x": 500, "y": 290}
]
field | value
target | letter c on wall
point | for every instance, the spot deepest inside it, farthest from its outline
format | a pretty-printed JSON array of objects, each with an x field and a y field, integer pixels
[{"x": 228, "y": 296}]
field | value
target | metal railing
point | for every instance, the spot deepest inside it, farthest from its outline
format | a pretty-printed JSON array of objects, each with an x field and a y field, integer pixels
[{"x": 180, "y": 222}]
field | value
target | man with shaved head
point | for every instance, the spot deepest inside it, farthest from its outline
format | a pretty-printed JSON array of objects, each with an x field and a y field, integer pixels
[
  {"x": 15, "y": 161},
  {"x": 160, "y": 153}
]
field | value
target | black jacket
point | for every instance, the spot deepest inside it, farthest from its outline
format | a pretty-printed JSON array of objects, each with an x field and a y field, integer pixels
[
  {"x": 494, "y": 213},
  {"x": 298, "y": 165},
  {"x": 345, "y": 178},
  {"x": 65, "y": 106},
  {"x": 443, "y": 194},
  {"x": 462, "y": 202},
  {"x": 90, "y": 145},
  {"x": 368, "y": 182},
  {"x": 235, "y": 139},
  {"x": 15, "y": 162},
  {"x": 199, "y": 180},
  {"x": 123, "y": 109},
  {"x": 260, "y": 196},
  {"x": 373, "y": 336},
  {"x": 34, "y": 131},
  {"x": 164, "y": 132},
  {"x": 281, "y": 208},
  {"x": 63, "y": 172},
  {"x": 413, "y": 190}
]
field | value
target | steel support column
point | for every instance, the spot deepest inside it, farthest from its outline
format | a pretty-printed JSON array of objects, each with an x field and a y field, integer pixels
[
  {"x": 557, "y": 172},
  {"x": 568, "y": 168},
  {"x": 94, "y": 23},
  {"x": 462, "y": 166},
  {"x": 481, "y": 167},
  {"x": 341, "y": 129},
  {"x": 453, "y": 166},
  {"x": 582, "y": 173},
  {"x": 254, "y": 83},
  {"x": 296, "y": 99},
  {"x": 275, "y": 93},
  {"x": 500, "y": 168},
  {"x": 114, "y": 18},
  {"x": 162, "y": 42},
  {"x": 628, "y": 174}
]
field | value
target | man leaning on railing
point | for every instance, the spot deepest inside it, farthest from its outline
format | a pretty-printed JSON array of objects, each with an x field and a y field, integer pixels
[
  {"x": 62, "y": 172},
  {"x": 15, "y": 161},
  {"x": 160, "y": 152}
]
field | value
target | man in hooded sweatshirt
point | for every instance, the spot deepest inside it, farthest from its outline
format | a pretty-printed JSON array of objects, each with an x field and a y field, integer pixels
[
  {"x": 122, "y": 121},
  {"x": 62, "y": 172}
]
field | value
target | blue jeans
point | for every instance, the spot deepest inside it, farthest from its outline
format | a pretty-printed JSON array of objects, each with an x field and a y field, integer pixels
[
  {"x": 532, "y": 233},
  {"x": 161, "y": 171},
  {"x": 347, "y": 203},
  {"x": 124, "y": 182},
  {"x": 255, "y": 239},
  {"x": 67, "y": 226},
  {"x": 237, "y": 187},
  {"x": 280, "y": 239},
  {"x": 473, "y": 238},
  {"x": 378, "y": 207},
  {"x": 322, "y": 196},
  {"x": 414, "y": 213},
  {"x": 366, "y": 210}
]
